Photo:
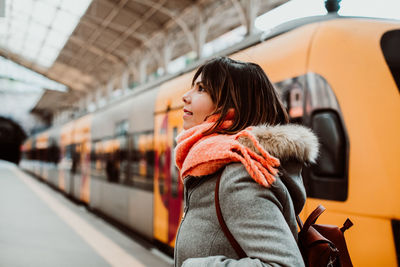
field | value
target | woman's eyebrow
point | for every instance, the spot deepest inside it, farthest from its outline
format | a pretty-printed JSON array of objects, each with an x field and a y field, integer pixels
[{"x": 199, "y": 83}]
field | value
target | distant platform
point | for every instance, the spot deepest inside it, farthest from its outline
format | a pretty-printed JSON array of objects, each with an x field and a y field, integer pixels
[{"x": 39, "y": 227}]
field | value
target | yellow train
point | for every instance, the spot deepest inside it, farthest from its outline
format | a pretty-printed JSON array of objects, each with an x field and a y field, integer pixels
[{"x": 339, "y": 76}]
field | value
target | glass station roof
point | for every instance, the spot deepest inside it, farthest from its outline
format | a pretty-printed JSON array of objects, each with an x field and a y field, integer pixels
[
  {"x": 16, "y": 78},
  {"x": 38, "y": 29}
]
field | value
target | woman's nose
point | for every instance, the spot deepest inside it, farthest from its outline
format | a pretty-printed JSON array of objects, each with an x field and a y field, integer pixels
[{"x": 186, "y": 98}]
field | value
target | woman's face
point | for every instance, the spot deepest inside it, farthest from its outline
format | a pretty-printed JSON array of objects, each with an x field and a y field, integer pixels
[{"x": 198, "y": 105}]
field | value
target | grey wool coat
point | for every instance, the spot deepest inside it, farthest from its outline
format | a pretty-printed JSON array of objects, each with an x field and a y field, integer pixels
[{"x": 262, "y": 220}]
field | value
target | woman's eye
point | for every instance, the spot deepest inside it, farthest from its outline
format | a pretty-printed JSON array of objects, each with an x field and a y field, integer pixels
[{"x": 201, "y": 88}]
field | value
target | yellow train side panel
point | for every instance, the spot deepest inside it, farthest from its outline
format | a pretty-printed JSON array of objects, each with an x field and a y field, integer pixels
[
  {"x": 82, "y": 137},
  {"x": 42, "y": 142},
  {"x": 27, "y": 145},
  {"x": 371, "y": 109},
  {"x": 65, "y": 140},
  {"x": 169, "y": 97},
  {"x": 284, "y": 56},
  {"x": 348, "y": 55},
  {"x": 354, "y": 67},
  {"x": 175, "y": 121},
  {"x": 160, "y": 212}
]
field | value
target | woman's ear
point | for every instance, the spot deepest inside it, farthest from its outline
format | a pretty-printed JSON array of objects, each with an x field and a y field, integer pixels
[
  {"x": 215, "y": 113},
  {"x": 217, "y": 110}
]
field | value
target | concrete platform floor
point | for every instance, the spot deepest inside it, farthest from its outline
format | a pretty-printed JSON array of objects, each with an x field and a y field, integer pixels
[{"x": 40, "y": 227}]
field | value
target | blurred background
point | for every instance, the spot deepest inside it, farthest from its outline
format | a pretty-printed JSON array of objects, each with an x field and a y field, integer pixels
[
  {"x": 90, "y": 101},
  {"x": 43, "y": 44}
]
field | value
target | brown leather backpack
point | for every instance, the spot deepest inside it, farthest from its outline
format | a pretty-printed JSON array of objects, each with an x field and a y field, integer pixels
[
  {"x": 323, "y": 245},
  {"x": 320, "y": 245}
]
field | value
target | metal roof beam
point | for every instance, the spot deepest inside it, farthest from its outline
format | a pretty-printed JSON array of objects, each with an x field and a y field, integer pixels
[
  {"x": 114, "y": 11},
  {"x": 175, "y": 17},
  {"x": 195, "y": 39},
  {"x": 131, "y": 32},
  {"x": 96, "y": 50}
]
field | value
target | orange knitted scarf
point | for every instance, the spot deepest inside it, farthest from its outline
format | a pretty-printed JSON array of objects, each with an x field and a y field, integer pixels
[{"x": 198, "y": 155}]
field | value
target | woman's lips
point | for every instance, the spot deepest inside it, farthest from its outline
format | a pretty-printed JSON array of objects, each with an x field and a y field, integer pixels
[{"x": 187, "y": 112}]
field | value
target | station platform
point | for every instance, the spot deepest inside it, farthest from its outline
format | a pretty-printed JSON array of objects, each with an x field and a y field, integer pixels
[{"x": 40, "y": 227}]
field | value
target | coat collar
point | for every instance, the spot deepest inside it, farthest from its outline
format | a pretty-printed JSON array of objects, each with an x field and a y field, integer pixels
[{"x": 285, "y": 142}]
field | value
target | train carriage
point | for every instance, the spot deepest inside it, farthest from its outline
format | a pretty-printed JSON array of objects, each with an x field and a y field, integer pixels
[
  {"x": 65, "y": 166},
  {"x": 339, "y": 76},
  {"x": 122, "y": 162},
  {"x": 53, "y": 154}
]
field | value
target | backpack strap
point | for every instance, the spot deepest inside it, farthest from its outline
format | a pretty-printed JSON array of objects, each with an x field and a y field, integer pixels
[
  {"x": 312, "y": 218},
  {"x": 238, "y": 249}
]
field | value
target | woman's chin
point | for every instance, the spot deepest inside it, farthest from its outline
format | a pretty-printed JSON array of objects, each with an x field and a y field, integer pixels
[{"x": 186, "y": 125}]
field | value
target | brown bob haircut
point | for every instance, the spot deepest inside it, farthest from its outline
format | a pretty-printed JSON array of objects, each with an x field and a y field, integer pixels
[{"x": 245, "y": 87}]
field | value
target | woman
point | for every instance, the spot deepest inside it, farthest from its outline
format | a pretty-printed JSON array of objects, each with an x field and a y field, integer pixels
[{"x": 236, "y": 128}]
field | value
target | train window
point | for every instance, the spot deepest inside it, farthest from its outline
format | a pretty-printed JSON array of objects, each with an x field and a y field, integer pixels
[
  {"x": 390, "y": 44},
  {"x": 33, "y": 153},
  {"x": 108, "y": 155},
  {"x": 113, "y": 166},
  {"x": 149, "y": 156},
  {"x": 68, "y": 151},
  {"x": 134, "y": 155},
  {"x": 53, "y": 152},
  {"x": 141, "y": 161},
  {"x": 310, "y": 101},
  {"x": 98, "y": 160},
  {"x": 328, "y": 179},
  {"x": 41, "y": 154},
  {"x": 121, "y": 128},
  {"x": 45, "y": 154},
  {"x": 319, "y": 95},
  {"x": 76, "y": 158},
  {"x": 93, "y": 157},
  {"x": 326, "y": 125},
  {"x": 123, "y": 158},
  {"x": 291, "y": 92}
]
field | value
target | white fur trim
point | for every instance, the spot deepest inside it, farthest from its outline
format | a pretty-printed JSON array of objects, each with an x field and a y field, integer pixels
[{"x": 290, "y": 141}]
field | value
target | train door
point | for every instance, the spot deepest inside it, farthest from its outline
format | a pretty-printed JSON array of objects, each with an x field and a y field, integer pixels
[
  {"x": 64, "y": 168},
  {"x": 142, "y": 160},
  {"x": 168, "y": 189},
  {"x": 123, "y": 158},
  {"x": 42, "y": 144},
  {"x": 26, "y": 150},
  {"x": 362, "y": 73},
  {"x": 85, "y": 171},
  {"x": 82, "y": 140},
  {"x": 54, "y": 157},
  {"x": 310, "y": 101},
  {"x": 74, "y": 151},
  {"x": 112, "y": 159}
]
